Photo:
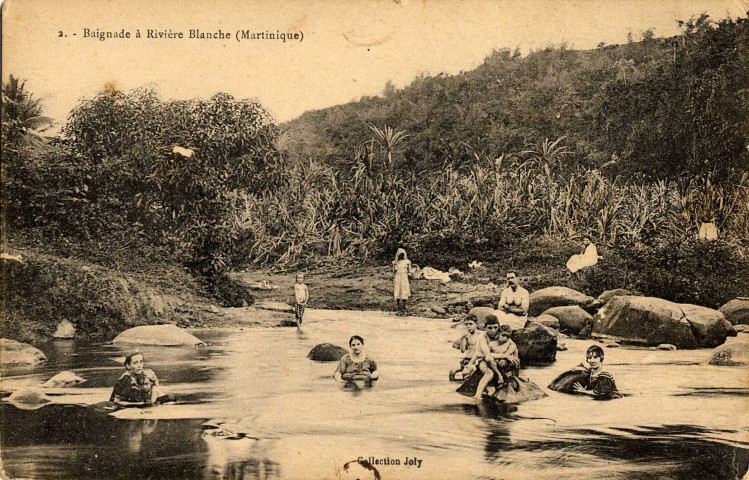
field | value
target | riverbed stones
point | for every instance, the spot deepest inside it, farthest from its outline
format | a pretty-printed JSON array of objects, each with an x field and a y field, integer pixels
[
  {"x": 164, "y": 335},
  {"x": 547, "y": 321},
  {"x": 438, "y": 310},
  {"x": 326, "y": 352},
  {"x": 708, "y": 326},
  {"x": 736, "y": 311},
  {"x": 518, "y": 391},
  {"x": 666, "y": 346},
  {"x": 645, "y": 321},
  {"x": 609, "y": 294},
  {"x": 730, "y": 354},
  {"x": 571, "y": 318},
  {"x": 546, "y": 298},
  {"x": 17, "y": 353},
  {"x": 481, "y": 313},
  {"x": 63, "y": 379},
  {"x": 274, "y": 306},
  {"x": 537, "y": 344},
  {"x": 65, "y": 329},
  {"x": 28, "y": 399}
]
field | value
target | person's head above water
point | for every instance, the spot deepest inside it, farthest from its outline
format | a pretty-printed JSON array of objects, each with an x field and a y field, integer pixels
[
  {"x": 135, "y": 362},
  {"x": 594, "y": 356},
  {"x": 356, "y": 343}
]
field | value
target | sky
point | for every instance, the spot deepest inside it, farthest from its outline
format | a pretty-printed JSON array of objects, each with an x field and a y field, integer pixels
[{"x": 350, "y": 48}]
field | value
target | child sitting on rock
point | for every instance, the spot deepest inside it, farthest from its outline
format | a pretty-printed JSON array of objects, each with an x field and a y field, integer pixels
[{"x": 467, "y": 346}]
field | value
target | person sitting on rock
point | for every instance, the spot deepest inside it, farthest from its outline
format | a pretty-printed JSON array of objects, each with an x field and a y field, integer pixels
[
  {"x": 138, "y": 386},
  {"x": 597, "y": 382},
  {"x": 356, "y": 365},
  {"x": 500, "y": 356},
  {"x": 467, "y": 346},
  {"x": 514, "y": 300}
]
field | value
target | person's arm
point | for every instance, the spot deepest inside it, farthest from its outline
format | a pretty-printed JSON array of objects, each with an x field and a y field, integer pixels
[
  {"x": 305, "y": 295},
  {"x": 524, "y": 304},
  {"x": 341, "y": 373},
  {"x": 502, "y": 305},
  {"x": 374, "y": 373}
]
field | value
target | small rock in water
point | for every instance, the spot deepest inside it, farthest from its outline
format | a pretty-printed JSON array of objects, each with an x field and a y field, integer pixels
[
  {"x": 741, "y": 328},
  {"x": 63, "y": 379},
  {"x": 326, "y": 352},
  {"x": 438, "y": 310},
  {"x": 28, "y": 399},
  {"x": 666, "y": 346}
]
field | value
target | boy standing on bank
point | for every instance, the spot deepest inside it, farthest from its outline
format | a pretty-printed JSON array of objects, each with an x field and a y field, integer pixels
[{"x": 301, "y": 294}]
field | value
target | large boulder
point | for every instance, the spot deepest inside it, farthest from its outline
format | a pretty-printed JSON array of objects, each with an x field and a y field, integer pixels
[
  {"x": 504, "y": 318},
  {"x": 708, "y": 326},
  {"x": 547, "y": 321},
  {"x": 65, "y": 329},
  {"x": 17, "y": 353},
  {"x": 735, "y": 353},
  {"x": 537, "y": 344},
  {"x": 274, "y": 306},
  {"x": 609, "y": 294},
  {"x": 571, "y": 318},
  {"x": 326, "y": 352},
  {"x": 736, "y": 311},
  {"x": 546, "y": 298},
  {"x": 165, "y": 335},
  {"x": 63, "y": 379},
  {"x": 481, "y": 313},
  {"x": 644, "y": 321}
]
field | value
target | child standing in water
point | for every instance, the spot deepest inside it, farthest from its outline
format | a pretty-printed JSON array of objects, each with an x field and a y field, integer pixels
[{"x": 301, "y": 294}]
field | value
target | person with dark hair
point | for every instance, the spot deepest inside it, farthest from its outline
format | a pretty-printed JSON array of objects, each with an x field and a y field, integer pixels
[
  {"x": 356, "y": 365},
  {"x": 591, "y": 380},
  {"x": 467, "y": 345},
  {"x": 138, "y": 385},
  {"x": 497, "y": 358},
  {"x": 512, "y": 308}
]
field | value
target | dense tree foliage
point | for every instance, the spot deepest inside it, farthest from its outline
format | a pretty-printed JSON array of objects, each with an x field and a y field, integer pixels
[
  {"x": 176, "y": 173},
  {"x": 662, "y": 107}
]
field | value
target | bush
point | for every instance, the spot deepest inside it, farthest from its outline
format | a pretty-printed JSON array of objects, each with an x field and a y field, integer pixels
[{"x": 703, "y": 272}]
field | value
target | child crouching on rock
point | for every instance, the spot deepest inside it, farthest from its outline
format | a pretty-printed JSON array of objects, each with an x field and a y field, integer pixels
[
  {"x": 138, "y": 386},
  {"x": 467, "y": 346}
]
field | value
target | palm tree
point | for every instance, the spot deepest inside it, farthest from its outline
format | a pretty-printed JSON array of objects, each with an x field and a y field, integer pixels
[
  {"x": 22, "y": 119},
  {"x": 389, "y": 139}
]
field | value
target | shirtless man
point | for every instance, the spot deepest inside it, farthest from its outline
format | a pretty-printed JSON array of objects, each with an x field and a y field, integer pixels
[{"x": 513, "y": 303}]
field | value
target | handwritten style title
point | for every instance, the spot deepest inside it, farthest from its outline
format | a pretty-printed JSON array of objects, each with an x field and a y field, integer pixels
[{"x": 192, "y": 34}]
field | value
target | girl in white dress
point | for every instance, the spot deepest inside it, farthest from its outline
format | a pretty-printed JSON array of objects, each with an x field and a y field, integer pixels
[{"x": 401, "y": 288}]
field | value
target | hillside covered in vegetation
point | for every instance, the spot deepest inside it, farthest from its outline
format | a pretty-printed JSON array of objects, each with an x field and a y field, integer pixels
[{"x": 513, "y": 163}]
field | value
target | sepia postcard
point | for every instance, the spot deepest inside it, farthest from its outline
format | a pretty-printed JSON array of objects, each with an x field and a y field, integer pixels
[{"x": 381, "y": 239}]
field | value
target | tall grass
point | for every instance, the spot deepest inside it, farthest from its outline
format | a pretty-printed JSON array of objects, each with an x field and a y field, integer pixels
[{"x": 339, "y": 214}]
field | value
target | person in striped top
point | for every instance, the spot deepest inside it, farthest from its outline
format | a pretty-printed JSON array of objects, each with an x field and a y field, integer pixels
[{"x": 599, "y": 384}]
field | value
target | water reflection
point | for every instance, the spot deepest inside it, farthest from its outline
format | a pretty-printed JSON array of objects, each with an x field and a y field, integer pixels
[{"x": 275, "y": 414}]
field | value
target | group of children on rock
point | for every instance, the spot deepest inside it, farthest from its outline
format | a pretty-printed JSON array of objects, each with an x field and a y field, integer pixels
[{"x": 489, "y": 353}]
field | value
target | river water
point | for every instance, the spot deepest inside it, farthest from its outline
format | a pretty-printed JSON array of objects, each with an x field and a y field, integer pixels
[{"x": 282, "y": 416}]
